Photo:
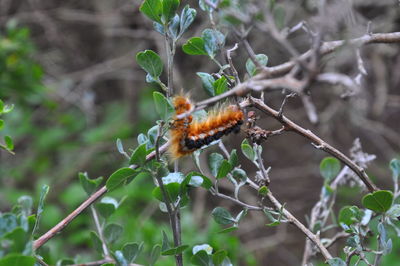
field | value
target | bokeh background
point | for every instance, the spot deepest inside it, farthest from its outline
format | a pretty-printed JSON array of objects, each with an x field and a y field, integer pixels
[{"x": 77, "y": 88}]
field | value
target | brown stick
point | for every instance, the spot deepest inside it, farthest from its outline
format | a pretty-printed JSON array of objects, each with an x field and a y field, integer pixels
[
  {"x": 62, "y": 224},
  {"x": 317, "y": 142}
]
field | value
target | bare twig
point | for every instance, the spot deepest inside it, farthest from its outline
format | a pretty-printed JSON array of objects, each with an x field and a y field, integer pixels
[
  {"x": 318, "y": 142},
  {"x": 234, "y": 71},
  {"x": 293, "y": 220}
]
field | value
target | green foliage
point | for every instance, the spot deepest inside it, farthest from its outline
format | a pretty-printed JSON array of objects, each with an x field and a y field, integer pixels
[
  {"x": 195, "y": 46},
  {"x": 251, "y": 68},
  {"x": 349, "y": 215},
  {"x": 151, "y": 62},
  {"x": 379, "y": 201},
  {"x": 20, "y": 75},
  {"x": 163, "y": 107},
  {"x": 120, "y": 176},
  {"x": 248, "y": 151},
  {"x": 329, "y": 168}
]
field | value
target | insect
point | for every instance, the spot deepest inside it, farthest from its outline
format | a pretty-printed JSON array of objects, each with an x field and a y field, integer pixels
[{"x": 188, "y": 135}]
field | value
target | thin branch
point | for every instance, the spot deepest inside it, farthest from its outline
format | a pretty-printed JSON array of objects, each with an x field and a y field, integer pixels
[
  {"x": 318, "y": 142},
  {"x": 241, "y": 203},
  {"x": 95, "y": 196},
  {"x": 293, "y": 220},
  {"x": 234, "y": 71},
  {"x": 100, "y": 231}
]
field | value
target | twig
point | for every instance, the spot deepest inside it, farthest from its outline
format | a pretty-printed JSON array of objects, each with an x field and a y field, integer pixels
[
  {"x": 234, "y": 71},
  {"x": 173, "y": 211},
  {"x": 249, "y": 207},
  {"x": 100, "y": 231},
  {"x": 293, "y": 220},
  {"x": 317, "y": 142},
  {"x": 95, "y": 196}
]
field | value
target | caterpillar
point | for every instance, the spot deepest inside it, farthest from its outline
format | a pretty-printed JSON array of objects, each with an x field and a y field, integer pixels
[{"x": 188, "y": 135}]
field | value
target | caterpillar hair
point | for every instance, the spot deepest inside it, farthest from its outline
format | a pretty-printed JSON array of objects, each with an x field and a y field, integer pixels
[{"x": 188, "y": 135}]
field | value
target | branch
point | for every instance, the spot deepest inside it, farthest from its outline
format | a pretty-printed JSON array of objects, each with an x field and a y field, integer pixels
[
  {"x": 98, "y": 194},
  {"x": 317, "y": 142},
  {"x": 293, "y": 220}
]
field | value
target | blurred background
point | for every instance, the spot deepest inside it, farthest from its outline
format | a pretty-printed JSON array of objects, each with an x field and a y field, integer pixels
[{"x": 69, "y": 68}]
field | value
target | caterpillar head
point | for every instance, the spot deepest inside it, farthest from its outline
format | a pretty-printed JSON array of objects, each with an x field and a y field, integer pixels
[{"x": 181, "y": 104}]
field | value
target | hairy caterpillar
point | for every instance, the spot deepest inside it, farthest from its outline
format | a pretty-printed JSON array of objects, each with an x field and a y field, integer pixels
[{"x": 188, "y": 135}]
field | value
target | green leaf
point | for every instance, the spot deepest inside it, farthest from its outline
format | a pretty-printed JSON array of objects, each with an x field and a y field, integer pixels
[
  {"x": 201, "y": 258},
  {"x": 131, "y": 251},
  {"x": 17, "y": 259},
  {"x": 251, "y": 68},
  {"x": 154, "y": 254},
  {"x": 233, "y": 158},
  {"x": 214, "y": 40},
  {"x": 173, "y": 27},
  {"x": 96, "y": 242},
  {"x": 219, "y": 256},
  {"x": 187, "y": 17},
  {"x": 152, "y": 9},
  {"x": 349, "y": 215},
  {"x": 194, "y": 46},
  {"x": 215, "y": 161},
  {"x": 107, "y": 206},
  {"x": 9, "y": 143},
  {"x": 19, "y": 240},
  {"x": 395, "y": 167},
  {"x": 165, "y": 242},
  {"x": 329, "y": 168},
  {"x": 43, "y": 193},
  {"x": 1, "y": 124},
  {"x": 169, "y": 8},
  {"x": 263, "y": 191},
  {"x": 138, "y": 156},
  {"x": 224, "y": 169},
  {"x": 220, "y": 85},
  {"x": 163, "y": 106},
  {"x": 1, "y": 106},
  {"x": 379, "y": 201},
  {"x": 8, "y": 222},
  {"x": 239, "y": 174},
  {"x": 174, "y": 251},
  {"x": 158, "y": 27},
  {"x": 336, "y": 262},
  {"x": 173, "y": 190},
  {"x": 206, "y": 182},
  {"x": 222, "y": 216},
  {"x": 120, "y": 176},
  {"x": 248, "y": 151},
  {"x": 151, "y": 62},
  {"x": 112, "y": 232},
  {"x": 89, "y": 185},
  {"x": 207, "y": 80}
]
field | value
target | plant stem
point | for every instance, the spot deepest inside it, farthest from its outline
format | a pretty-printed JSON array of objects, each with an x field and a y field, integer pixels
[
  {"x": 173, "y": 211},
  {"x": 100, "y": 231}
]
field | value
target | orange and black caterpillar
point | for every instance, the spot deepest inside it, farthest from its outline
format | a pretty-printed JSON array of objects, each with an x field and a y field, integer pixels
[{"x": 188, "y": 135}]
